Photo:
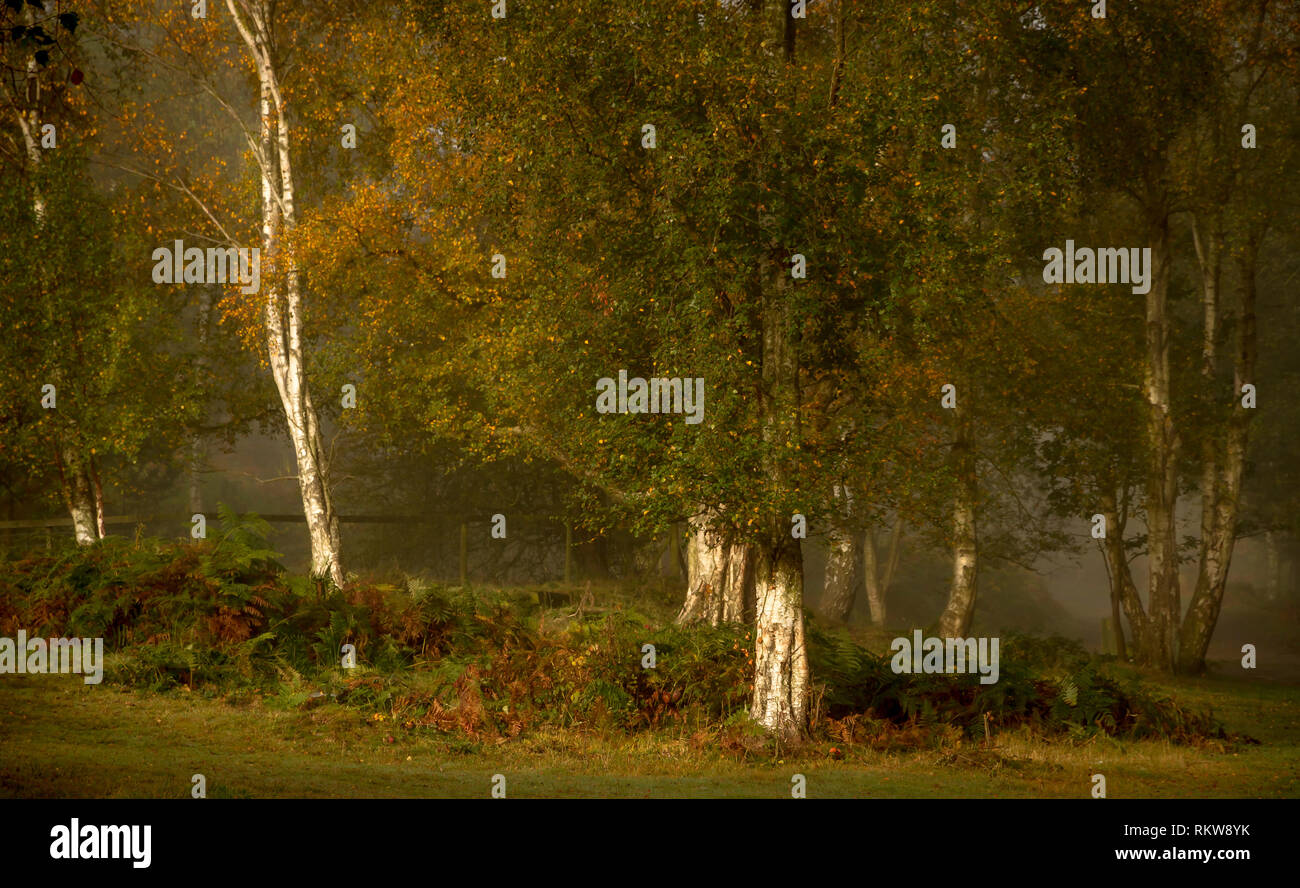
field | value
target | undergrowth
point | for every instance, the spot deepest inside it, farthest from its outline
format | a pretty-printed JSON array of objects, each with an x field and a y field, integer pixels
[{"x": 222, "y": 617}]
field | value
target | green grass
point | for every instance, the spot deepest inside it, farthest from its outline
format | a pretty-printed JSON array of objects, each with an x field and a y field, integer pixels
[{"x": 61, "y": 738}]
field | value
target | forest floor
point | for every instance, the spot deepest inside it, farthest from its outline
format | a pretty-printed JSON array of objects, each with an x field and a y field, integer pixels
[{"x": 60, "y": 738}]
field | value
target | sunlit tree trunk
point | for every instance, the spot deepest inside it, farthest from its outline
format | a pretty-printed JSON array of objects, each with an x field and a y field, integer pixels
[
  {"x": 781, "y": 656},
  {"x": 78, "y": 494},
  {"x": 780, "y": 702},
  {"x": 719, "y": 576},
  {"x": 283, "y": 296}
]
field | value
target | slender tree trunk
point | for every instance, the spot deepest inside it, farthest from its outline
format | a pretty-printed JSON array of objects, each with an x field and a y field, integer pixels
[
  {"x": 844, "y": 561},
  {"x": 878, "y": 584},
  {"x": 1225, "y": 497},
  {"x": 97, "y": 488},
  {"x": 1123, "y": 590},
  {"x": 1117, "y": 624},
  {"x": 1273, "y": 559},
  {"x": 78, "y": 495},
  {"x": 960, "y": 611},
  {"x": 283, "y": 305},
  {"x": 198, "y": 446},
  {"x": 1155, "y": 648}
]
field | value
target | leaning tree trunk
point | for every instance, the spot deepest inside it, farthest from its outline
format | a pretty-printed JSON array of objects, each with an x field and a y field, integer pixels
[
  {"x": 720, "y": 576},
  {"x": 960, "y": 610},
  {"x": 1123, "y": 591},
  {"x": 283, "y": 309}
]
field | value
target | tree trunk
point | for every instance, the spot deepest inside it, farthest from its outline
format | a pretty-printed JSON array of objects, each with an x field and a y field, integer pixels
[
  {"x": 1273, "y": 558},
  {"x": 720, "y": 577},
  {"x": 1224, "y": 498},
  {"x": 97, "y": 489},
  {"x": 960, "y": 611},
  {"x": 781, "y": 657},
  {"x": 844, "y": 567},
  {"x": 878, "y": 584},
  {"x": 198, "y": 446},
  {"x": 283, "y": 305},
  {"x": 1123, "y": 591},
  {"x": 780, "y": 700},
  {"x": 78, "y": 495},
  {"x": 1155, "y": 648}
]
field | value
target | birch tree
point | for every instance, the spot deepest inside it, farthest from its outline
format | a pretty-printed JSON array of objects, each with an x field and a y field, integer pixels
[{"x": 211, "y": 53}]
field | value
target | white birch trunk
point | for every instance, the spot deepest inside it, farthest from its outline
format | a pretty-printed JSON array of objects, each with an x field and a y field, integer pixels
[
  {"x": 780, "y": 701},
  {"x": 1223, "y": 500},
  {"x": 719, "y": 576},
  {"x": 844, "y": 571},
  {"x": 1156, "y": 648},
  {"x": 958, "y": 614},
  {"x": 78, "y": 495},
  {"x": 781, "y": 656},
  {"x": 283, "y": 296}
]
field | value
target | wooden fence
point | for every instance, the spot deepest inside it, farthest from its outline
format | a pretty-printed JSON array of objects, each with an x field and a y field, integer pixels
[{"x": 291, "y": 518}]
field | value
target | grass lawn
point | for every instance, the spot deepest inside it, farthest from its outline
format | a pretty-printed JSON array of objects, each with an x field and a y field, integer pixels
[{"x": 61, "y": 738}]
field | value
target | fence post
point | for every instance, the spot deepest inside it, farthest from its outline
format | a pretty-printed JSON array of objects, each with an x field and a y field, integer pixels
[
  {"x": 464, "y": 554},
  {"x": 568, "y": 553}
]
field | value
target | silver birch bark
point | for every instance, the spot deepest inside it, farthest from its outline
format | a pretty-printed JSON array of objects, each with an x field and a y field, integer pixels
[
  {"x": 78, "y": 495},
  {"x": 1223, "y": 499},
  {"x": 960, "y": 610},
  {"x": 719, "y": 576},
  {"x": 283, "y": 295},
  {"x": 844, "y": 560},
  {"x": 781, "y": 656},
  {"x": 780, "y": 702},
  {"x": 1156, "y": 647}
]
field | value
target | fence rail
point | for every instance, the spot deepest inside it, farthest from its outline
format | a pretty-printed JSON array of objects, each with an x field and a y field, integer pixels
[
  {"x": 277, "y": 518},
  {"x": 293, "y": 518}
]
